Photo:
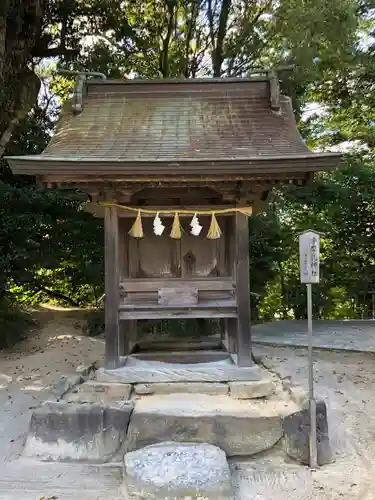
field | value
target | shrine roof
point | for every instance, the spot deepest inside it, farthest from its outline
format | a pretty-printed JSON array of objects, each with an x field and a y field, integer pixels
[{"x": 156, "y": 127}]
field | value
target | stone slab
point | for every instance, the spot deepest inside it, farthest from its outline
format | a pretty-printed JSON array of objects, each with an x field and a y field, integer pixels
[
  {"x": 299, "y": 395},
  {"x": 155, "y": 372},
  {"x": 209, "y": 388},
  {"x": 297, "y": 435},
  {"x": 86, "y": 370},
  {"x": 237, "y": 427},
  {"x": 83, "y": 432},
  {"x": 64, "y": 384},
  {"x": 173, "y": 471},
  {"x": 28, "y": 479},
  {"x": 252, "y": 389},
  {"x": 98, "y": 392}
]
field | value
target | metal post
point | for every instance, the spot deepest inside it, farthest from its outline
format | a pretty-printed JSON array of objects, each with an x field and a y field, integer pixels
[{"x": 312, "y": 404}]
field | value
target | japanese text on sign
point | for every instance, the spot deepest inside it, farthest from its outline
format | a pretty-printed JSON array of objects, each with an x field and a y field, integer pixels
[{"x": 309, "y": 248}]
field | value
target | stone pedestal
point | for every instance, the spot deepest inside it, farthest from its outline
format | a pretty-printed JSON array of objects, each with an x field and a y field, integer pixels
[
  {"x": 297, "y": 435},
  {"x": 173, "y": 471}
]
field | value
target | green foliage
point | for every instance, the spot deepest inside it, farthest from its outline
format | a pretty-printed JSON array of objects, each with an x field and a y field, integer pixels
[
  {"x": 51, "y": 249},
  {"x": 14, "y": 323},
  {"x": 49, "y": 243},
  {"x": 341, "y": 205}
]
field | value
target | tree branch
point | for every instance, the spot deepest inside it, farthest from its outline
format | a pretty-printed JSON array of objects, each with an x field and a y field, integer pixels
[
  {"x": 210, "y": 16},
  {"x": 192, "y": 26},
  {"x": 7, "y": 135},
  {"x": 57, "y": 295}
]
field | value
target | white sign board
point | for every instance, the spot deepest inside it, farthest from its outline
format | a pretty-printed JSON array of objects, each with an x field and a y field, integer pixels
[{"x": 309, "y": 250}]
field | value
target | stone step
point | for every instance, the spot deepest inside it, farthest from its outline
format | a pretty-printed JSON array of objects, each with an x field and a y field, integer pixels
[
  {"x": 30, "y": 480},
  {"x": 82, "y": 432},
  {"x": 264, "y": 479},
  {"x": 272, "y": 478},
  {"x": 239, "y": 427}
]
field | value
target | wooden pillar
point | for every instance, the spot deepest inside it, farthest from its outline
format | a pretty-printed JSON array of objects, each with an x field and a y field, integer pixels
[
  {"x": 128, "y": 336},
  {"x": 243, "y": 289},
  {"x": 133, "y": 334},
  {"x": 230, "y": 340},
  {"x": 122, "y": 339},
  {"x": 112, "y": 292}
]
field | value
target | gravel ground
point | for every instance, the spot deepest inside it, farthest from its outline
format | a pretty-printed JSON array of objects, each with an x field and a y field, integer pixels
[
  {"x": 345, "y": 380},
  {"x": 349, "y": 335}
]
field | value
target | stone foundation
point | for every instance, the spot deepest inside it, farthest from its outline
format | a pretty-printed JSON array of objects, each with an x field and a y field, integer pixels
[
  {"x": 237, "y": 427},
  {"x": 100, "y": 421},
  {"x": 60, "y": 431}
]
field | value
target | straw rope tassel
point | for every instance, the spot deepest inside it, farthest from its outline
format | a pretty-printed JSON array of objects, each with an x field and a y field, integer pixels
[
  {"x": 137, "y": 230},
  {"x": 176, "y": 228},
  {"x": 242, "y": 210},
  {"x": 214, "y": 231}
]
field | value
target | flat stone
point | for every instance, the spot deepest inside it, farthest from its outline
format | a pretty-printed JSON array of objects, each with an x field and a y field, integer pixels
[
  {"x": 153, "y": 371},
  {"x": 85, "y": 370},
  {"x": 209, "y": 388},
  {"x": 173, "y": 471},
  {"x": 297, "y": 435},
  {"x": 237, "y": 427},
  {"x": 99, "y": 392},
  {"x": 299, "y": 395},
  {"x": 62, "y": 431},
  {"x": 64, "y": 384},
  {"x": 252, "y": 389}
]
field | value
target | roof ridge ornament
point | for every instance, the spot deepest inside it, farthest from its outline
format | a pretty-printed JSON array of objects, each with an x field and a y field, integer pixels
[
  {"x": 272, "y": 75},
  {"x": 79, "y": 87},
  {"x": 274, "y": 91}
]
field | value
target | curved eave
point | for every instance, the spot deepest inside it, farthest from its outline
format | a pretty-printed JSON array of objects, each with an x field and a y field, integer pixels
[{"x": 43, "y": 165}]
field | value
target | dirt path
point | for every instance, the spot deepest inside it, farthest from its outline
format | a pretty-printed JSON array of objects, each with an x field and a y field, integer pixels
[
  {"x": 56, "y": 347},
  {"x": 28, "y": 371}
]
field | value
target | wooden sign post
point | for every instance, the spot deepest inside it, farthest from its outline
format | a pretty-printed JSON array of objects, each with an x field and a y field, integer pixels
[{"x": 309, "y": 253}]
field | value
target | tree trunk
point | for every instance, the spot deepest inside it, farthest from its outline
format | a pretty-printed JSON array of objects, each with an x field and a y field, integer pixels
[
  {"x": 218, "y": 50},
  {"x": 164, "y": 54},
  {"x": 20, "y": 30}
]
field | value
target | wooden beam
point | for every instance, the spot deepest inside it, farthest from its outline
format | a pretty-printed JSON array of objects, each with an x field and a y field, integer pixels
[
  {"x": 112, "y": 295},
  {"x": 243, "y": 289},
  {"x": 153, "y": 285}
]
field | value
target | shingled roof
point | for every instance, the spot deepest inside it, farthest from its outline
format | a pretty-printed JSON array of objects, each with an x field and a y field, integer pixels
[{"x": 160, "y": 127}]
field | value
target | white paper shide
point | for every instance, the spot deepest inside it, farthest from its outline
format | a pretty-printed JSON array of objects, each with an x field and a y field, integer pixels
[
  {"x": 158, "y": 226},
  {"x": 309, "y": 255},
  {"x": 196, "y": 228}
]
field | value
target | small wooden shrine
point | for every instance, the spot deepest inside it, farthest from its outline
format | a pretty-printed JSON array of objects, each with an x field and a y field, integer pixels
[{"x": 175, "y": 168}]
